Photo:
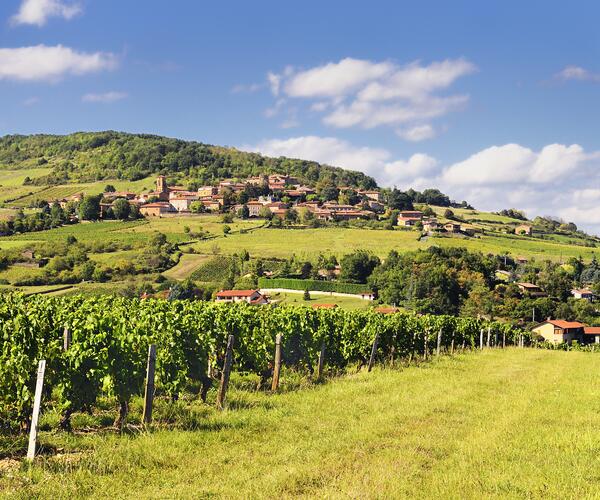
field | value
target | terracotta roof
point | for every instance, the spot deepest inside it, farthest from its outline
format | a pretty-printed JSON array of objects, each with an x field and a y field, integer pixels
[
  {"x": 528, "y": 285},
  {"x": 236, "y": 293},
  {"x": 591, "y": 330},
  {"x": 582, "y": 291},
  {"x": 324, "y": 306},
  {"x": 560, "y": 323}
]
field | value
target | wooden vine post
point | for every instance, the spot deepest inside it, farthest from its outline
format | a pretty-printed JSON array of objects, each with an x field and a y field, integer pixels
[
  {"x": 37, "y": 402},
  {"x": 226, "y": 373},
  {"x": 149, "y": 389},
  {"x": 277, "y": 365},
  {"x": 489, "y": 336},
  {"x": 321, "y": 362},
  {"x": 481, "y": 339},
  {"x": 373, "y": 353},
  {"x": 67, "y": 338},
  {"x": 503, "y": 339},
  {"x": 439, "y": 343}
]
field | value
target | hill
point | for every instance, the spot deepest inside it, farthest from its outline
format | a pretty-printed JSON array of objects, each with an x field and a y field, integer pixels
[{"x": 86, "y": 157}]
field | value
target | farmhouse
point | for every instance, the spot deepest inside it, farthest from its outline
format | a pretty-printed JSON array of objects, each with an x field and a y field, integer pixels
[
  {"x": 156, "y": 209},
  {"x": 182, "y": 203},
  {"x": 531, "y": 290},
  {"x": 430, "y": 225},
  {"x": 583, "y": 293},
  {"x": 408, "y": 221},
  {"x": 372, "y": 195},
  {"x": 558, "y": 331},
  {"x": 452, "y": 227},
  {"x": 253, "y": 297},
  {"x": 524, "y": 229}
]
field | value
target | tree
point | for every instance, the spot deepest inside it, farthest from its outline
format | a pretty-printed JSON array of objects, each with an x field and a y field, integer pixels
[
  {"x": 330, "y": 192},
  {"x": 448, "y": 214},
  {"x": 109, "y": 188},
  {"x": 244, "y": 212},
  {"x": 89, "y": 208},
  {"x": 57, "y": 215},
  {"x": 227, "y": 218},
  {"x": 399, "y": 200},
  {"x": 306, "y": 295},
  {"x": 121, "y": 209},
  {"x": 358, "y": 266},
  {"x": 265, "y": 212}
]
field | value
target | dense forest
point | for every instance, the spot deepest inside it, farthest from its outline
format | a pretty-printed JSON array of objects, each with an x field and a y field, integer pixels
[{"x": 94, "y": 156}]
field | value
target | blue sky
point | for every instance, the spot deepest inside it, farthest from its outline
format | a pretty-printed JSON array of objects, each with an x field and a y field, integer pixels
[{"x": 495, "y": 102}]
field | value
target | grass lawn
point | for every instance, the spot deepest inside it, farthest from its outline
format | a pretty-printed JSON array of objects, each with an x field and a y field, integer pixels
[
  {"x": 297, "y": 299},
  {"x": 498, "y": 424}
]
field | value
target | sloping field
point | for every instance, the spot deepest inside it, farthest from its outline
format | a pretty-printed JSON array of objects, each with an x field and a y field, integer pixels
[{"x": 499, "y": 424}]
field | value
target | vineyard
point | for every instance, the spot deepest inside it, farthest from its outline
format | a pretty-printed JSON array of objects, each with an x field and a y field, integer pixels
[{"x": 110, "y": 339}]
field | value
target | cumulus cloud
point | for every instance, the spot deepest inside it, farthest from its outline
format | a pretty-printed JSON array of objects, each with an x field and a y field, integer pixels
[
  {"x": 417, "y": 133},
  {"x": 558, "y": 179},
  {"x": 37, "y": 12},
  {"x": 368, "y": 94},
  {"x": 50, "y": 63},
  {"x": 577, "y": 73},
  {"x": 106, "y": 97}
]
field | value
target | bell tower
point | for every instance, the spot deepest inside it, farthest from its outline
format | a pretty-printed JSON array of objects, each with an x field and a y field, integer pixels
[{"x": 161, "y": 184}]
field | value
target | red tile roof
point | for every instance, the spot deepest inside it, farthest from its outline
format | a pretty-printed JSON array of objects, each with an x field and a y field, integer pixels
[
  {"x": 560, "y": 323},
  {"x": 591, "y": 330},
  {"x": 236, "y": 293},
  {"x": 324, "y": 306}
]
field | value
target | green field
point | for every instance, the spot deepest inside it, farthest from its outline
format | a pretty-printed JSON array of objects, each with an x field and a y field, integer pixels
[
  {"x": 297, "y": 299},
  {"x": 500, "y": 424},
  {"x": 187, "y": 264},
  {"x": 282, "y": 243}
]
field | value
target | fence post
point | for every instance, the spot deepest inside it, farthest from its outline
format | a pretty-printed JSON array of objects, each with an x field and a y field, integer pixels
[
  {"x": 503, "y": 339},
  {"x": 321, "y": 362},
  {"x": 277, "y": 367},
  {"x": 37, "y": 402},
  {"x": 67, "y": 337},
  {"x": 481, "y": 339},
  {"x": 489, "y": 334},
  {"x": 373, "y": 352},
  {"x": 452, "y": 343},
  {"x": 149, "y": 389},
  {"x": 439, "y": 343},
  {"x": 226, "y": 372}
]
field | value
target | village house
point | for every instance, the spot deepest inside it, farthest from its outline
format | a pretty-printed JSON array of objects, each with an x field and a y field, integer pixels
[
  {"x": 524, "y": 229},
  {"x": 352, "y": 214},
  {"x": 253, "y": 297},
  {"x": 583, "y": 293},
  {"x": 531, "y": 290},
  {"x": 408, "y": 221},
  {"x": 205, "y": 191},
  {"x": 32, "y": 261},
  {"x": 452, "y": 227},
  {"x": 156, "y": 209},
  {"x": 411, "y": 214},
  {"x": 430, "y": 225},
  {"x": 372, "y": 195},
  {"x": 182, "y": 203},
  {"x": 558, "y": 331}
]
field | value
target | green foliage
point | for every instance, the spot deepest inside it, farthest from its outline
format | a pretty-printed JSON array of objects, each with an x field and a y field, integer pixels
[
  {"x": 121, "y": 209},
  {"x": 111, "y": 338},
  {"x": 315, "y": 285},
  {"x": 358, "y": 266},
  {"x": 93, "y": 156},
  {"x": 89, "y": 208}
]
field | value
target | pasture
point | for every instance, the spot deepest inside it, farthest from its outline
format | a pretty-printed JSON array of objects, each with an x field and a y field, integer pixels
[{"x": 499, "y": 424}]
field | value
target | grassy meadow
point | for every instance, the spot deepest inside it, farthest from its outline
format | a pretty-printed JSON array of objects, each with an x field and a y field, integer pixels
[{"x": 498, "y": 424}]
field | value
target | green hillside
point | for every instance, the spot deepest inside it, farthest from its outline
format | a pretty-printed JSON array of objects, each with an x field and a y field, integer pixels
[{"x": 86, "y": 157}]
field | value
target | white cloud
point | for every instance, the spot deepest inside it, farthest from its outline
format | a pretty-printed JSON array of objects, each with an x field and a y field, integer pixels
[
  {"x": 335, "y": 79},
  {"x": 577, "y": 73},
  {"x": 106, "y": 97},
  {"x": 417, "y": 133},
  {"x": 37, "y": 12},
  {"x": 561, "y": 180},
  {"x": 368, "y": 94},
  {"x": 44, "y": 63}
]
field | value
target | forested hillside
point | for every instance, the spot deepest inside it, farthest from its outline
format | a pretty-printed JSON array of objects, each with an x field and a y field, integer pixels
[{"x": 93, "y": 156}]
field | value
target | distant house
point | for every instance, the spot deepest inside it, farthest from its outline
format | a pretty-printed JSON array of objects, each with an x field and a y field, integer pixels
[
  {"x": 469, "y": 230},
  {"x": 372, "y": 195},
  {"x": 591, "y": 334},
  {"x": 32, "y": 261},
  {"x": 531, "y": 290},
  {"x": 182, "y": 203},
  {"x": 254, "y": 208},
  {"x": 452, "y": 227},
  {"x": 367, "y": 295},
  {"x": 253, "y": 297},
  {"x": 524, "y": 229},
  {"x": 558, "y": 331},
  {"x": 408, "y": 221},
  {"x": 583, "y": 293},
  {"x": 411, "y": 214},
  {"x": 156, "y": 209},
  {"x": 205, "y": 191},
  {"x": 430, "y": 225}
]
